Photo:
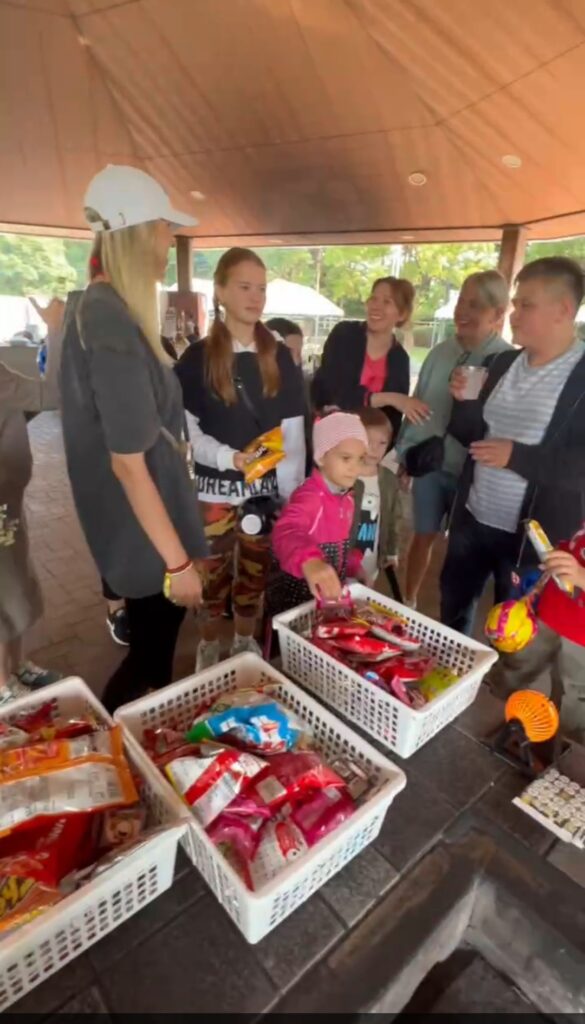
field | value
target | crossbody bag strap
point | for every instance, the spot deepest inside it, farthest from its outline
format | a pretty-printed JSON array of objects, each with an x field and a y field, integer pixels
[{"x": 243, "y": 393}]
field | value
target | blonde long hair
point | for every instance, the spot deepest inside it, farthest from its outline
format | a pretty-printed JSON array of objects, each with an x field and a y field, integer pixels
[{"x": 128, "y": 259}]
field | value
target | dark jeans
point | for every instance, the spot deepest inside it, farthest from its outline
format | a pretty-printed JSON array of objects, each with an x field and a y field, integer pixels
[
  {"x": 154, "y": 625},
  {"x": 475, "y": 553}
]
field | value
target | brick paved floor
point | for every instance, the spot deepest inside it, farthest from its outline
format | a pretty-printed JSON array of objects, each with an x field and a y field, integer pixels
[{"x": 72, "y": 635}]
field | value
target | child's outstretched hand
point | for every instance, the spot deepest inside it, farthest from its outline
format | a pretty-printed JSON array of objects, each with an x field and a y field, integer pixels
[
  {"x": 322, "y": 579},
  {"x": 566, "y": 567}
]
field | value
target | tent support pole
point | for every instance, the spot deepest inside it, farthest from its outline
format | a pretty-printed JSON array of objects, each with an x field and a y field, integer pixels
[
  {"x": 512, "y": 249},
  {"x": 184, "y": 262}
]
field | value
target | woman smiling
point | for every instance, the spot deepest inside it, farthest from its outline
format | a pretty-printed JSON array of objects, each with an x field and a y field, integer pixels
[{"x": 364, "y": 364}]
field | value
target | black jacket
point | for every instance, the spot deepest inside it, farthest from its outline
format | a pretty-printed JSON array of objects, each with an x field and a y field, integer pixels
[
  {"x": 554, "y": 469},
  {"x": 337, "y": 381}
]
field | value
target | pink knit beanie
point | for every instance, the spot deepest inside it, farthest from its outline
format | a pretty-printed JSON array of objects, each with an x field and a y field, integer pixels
[{"x": 335, "y": 428}]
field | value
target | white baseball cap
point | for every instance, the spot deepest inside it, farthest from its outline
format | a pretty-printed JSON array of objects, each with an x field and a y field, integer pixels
[{"x": 120, "y": 197}]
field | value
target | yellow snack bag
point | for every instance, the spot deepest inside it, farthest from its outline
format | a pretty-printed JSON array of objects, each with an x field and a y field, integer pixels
[{"x": 266, "y": 452}]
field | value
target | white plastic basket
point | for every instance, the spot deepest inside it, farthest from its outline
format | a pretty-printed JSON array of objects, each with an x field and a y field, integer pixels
[
  {"x": 47, "y": 943},
  {"x": 256, "y": 913},
  {"x": 404, "y": 730}
]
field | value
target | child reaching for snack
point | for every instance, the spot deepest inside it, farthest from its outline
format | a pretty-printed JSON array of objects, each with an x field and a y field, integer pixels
[
  {"x": 311, "y": 539},
  {"x": 559, "y": 645},
  {"x": 377, "y": 501}
]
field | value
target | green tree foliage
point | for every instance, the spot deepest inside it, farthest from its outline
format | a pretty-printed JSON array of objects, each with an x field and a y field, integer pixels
[
  {"x": 31, "y": 265},
  {"x": 437, "y": 269},
  {"x": 343, "y": 273}
]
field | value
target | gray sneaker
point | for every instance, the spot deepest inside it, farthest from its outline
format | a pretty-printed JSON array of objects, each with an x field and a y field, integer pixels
[
  {"x": 245, "y": 645},
  {"x": 34, "y": 678},
  {"x": 208, "y": 655}
]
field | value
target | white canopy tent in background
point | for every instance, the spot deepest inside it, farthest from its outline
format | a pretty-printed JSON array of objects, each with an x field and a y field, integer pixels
[{"x": 283, "y": 298}]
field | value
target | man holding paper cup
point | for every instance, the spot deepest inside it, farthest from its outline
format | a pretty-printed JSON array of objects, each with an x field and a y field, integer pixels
[
  {"x": 427, "y": 452},
  {"x": 526, "y": 439}
]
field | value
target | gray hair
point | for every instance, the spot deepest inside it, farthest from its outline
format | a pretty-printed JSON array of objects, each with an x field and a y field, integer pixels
[{"x": 492, "y": 287}]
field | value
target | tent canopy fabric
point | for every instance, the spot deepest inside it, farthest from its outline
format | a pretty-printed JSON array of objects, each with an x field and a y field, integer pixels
[
  {"x": 300, "y": 121},
  {"x": 283, "y": 298}
]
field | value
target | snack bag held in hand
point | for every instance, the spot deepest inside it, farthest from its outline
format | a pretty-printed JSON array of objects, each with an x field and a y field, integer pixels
[{"x": 266, "y": 451}]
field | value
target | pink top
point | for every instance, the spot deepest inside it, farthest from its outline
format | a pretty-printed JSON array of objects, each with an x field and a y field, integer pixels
[
  {"x": 373, "y": 374},
  {"x": 313, "y": 516}
]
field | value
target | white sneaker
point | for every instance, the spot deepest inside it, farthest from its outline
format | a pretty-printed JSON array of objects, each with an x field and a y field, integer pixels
[
  {"x": 208, "y": 655},
  {"x": 11, "y": 691},
  {"x": 245, "y": 645}
]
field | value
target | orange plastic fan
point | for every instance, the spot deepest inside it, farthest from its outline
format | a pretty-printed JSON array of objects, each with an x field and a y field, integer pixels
[{"x": 536, "y": 713}]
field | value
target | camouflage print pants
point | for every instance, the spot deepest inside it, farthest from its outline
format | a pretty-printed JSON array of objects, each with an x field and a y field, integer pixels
[{"x": 237, "y": 563}]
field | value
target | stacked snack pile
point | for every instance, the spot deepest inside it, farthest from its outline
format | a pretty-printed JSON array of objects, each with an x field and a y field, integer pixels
[
  {"x": 69, "y": 807},
  {"x": 377, "y": 644},
  {"x": 247, "y": 771}
]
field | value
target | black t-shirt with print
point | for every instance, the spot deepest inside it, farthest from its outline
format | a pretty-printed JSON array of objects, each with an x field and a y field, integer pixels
[{"x": 236, "y": 425}]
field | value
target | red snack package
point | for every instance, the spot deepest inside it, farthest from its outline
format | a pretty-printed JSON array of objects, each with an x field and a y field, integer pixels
[
  {"x": 93, "y": 782},
  {"x": 339, "y": 628},
  {"x": 23, "y": 895},
  {"x": 43, "y": 723},
  {"x": 322, "y": 813},
  {"x": 335, "y": 609},
  {"x": 164, "y": 745},
  {"x": 289, "y": 777},
  {"x": 408, "y": 668},
  {"x": 242, "y": 834},
  {"x": 281, "y": 843},
  {"x": 209, "y": 781},
  {"x": 367, "y": 648}
]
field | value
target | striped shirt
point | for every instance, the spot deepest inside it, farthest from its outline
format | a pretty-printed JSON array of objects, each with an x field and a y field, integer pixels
[{"x": 519, "y": 408}]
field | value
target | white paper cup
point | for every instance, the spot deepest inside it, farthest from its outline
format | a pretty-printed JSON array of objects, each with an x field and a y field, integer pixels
[{"x": 474, "y": 380}]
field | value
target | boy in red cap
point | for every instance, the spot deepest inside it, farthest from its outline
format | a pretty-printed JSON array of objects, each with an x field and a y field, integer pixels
[{"x": 559, "y": 645}]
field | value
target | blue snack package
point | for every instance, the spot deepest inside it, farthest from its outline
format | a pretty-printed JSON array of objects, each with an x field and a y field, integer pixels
[{"x": 252, "y": 720}]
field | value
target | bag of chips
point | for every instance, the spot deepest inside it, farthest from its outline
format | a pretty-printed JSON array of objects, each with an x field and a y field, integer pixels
[
  {"x": 289, "y": 777},
  {"x": 251, "y": 720},
  {"x": 264, "y": 453},
  {"x": 47, "y": 754},
  {"x": 281, "y": 843},
  {"x": 94, "y": 782},
  {"x": 209, "y": 782},
  {"x": 322, "y": 813}
]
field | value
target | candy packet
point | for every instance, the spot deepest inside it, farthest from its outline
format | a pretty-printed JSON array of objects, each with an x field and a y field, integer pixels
[
  {"x": 322, "y": 813},
  {"x": 366, "y": 648},
  {"x": 209, "y": 782},
  {"x": 264, "y": 453},
  {"x": 242, "y": 834},
  {"x": 47, "y": 754},
  {"x": 290, "y": 777},
  {"x": 281, "y": 843},
  {"x": 251, "y": 719},
  {"x": 436, "y": 681},
  {"x": 94, "y": 782}
]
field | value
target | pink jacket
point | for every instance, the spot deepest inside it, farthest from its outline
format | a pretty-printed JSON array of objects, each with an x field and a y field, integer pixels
[{"x": 313, "y": 516}]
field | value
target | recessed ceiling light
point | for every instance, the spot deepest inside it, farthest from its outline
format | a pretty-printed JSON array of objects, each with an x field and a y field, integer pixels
[
  {"x": 407, "y": 238},
  {"x": 512, "y": 161},
  {"x": 417, "y": 178},
  {"x": 197, "y": 194}
]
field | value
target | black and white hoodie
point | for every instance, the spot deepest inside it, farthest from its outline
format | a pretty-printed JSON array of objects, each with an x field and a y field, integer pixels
[{"x": 219, "y": 431}]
